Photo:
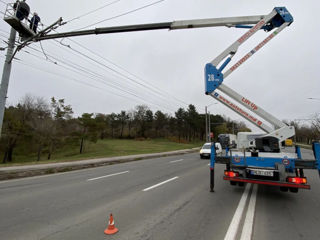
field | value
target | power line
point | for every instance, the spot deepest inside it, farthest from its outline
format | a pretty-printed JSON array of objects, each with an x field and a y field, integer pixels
[
  {"x": 4, "y": 2},
  {"x": 123, "y": 14},
  {"x": 122, "y": 75},
  {"x": 94, "y": 76},
  {"x": 154, "y": 89},
  {"x": 117, "y": 72},
  {"x": 157, "y": 89},
  {"x": 89, "y": 72},
  {"x": 76, "y": 80},
  {"x": 92, "y": 11},
  {"x": 4, "y": 31}
]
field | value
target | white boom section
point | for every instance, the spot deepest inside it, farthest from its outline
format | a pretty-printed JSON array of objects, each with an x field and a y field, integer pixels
[
  {"x": 215, "y": 22},
  {"x": 282, "y": 133},
  {"x": 241, "y": 112},
  {"x": 255, "y": 49},
  {"x": 234, "y": 47},
  {"x": 252, "y": 107}
]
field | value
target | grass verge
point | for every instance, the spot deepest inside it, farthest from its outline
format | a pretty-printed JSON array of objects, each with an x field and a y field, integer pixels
[{"x": 104, "y": 148}]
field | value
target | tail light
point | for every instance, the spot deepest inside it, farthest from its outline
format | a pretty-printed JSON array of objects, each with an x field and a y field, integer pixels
[
  {"x": 297, "y": 180},
  {"x": 231, "y": 174}
]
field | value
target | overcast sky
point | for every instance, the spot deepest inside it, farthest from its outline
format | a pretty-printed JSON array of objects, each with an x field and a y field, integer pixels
[{"x": 165, "y": 69}]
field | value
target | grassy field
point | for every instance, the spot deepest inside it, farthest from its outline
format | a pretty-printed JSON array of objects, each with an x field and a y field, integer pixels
[{"x": 105, "y": 148}]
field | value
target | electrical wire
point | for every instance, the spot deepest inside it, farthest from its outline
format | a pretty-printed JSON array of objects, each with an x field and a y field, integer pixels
[
  {"x": 75, "y": 80},
  {"x": 152, "y": 88},
  {"x": 4, "y": 31},
  {"x": 85, "y": 72},
  {"x": 92, "y": 11},
  {"x": 123, "y": 14},
  {"x": 117, "y": 72},
  {"x": 3, "y": 2},
  {"x": 80, "y": 82},
  {"x": 126, "y": 78},
  {"x": 155, "y": 88}
]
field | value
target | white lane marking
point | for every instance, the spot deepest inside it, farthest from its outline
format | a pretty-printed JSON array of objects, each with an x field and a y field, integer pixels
[
  {"x": 159, "y": 184},
  {"x": 110, "y": 175},
  {"x": 248, "y": 222},
  {"x": 180, "y": 160},
  {"x": 208, "y": 164},
  {"x": 48, "y": 175},
  {"x": 234, "y": 225}
]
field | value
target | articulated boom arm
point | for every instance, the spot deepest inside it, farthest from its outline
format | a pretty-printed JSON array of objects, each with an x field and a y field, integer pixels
[{"x": 275, "y": 22}]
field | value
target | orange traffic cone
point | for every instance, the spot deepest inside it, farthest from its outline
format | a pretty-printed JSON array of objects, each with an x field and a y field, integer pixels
[{"x": 111, "y": 228}]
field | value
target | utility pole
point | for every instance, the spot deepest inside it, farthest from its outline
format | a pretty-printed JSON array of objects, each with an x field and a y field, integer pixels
[{"x": 6, "y": 76}]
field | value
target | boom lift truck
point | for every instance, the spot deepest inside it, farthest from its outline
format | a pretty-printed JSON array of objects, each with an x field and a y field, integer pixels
[
  {"x": 257, "y": 160},
  {"x": 264, "y": 164}
]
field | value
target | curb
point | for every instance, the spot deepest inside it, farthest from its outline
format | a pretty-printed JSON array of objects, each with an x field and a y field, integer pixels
[{"x": 7, "y": 173}]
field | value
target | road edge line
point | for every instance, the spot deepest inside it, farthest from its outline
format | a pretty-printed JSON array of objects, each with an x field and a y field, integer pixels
[
  {"x": 248, "y": 222},
  {"x": 235, "y": 222}
]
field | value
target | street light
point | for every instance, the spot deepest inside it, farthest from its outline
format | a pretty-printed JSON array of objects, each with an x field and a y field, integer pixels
[{"x": 208, "y": 128}]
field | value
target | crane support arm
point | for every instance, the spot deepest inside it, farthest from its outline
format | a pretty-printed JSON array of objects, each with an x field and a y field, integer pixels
[
  {"x": 251, "y": 106},
  {"x": 257, "y": 122}
]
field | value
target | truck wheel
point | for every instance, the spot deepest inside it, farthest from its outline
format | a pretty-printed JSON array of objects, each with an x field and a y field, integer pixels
[
  {"x": 241, "y": 184},
  {"x": 294, "y": 190},
  {"x": 284, "y": 189},
  {"x": 233, "y": 183}
]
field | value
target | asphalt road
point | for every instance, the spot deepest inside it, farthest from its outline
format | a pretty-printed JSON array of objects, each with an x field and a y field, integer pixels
[{"x": 162, "y": 198}]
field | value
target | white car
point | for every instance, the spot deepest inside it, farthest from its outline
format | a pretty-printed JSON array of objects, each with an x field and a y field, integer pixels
[{"x": 206, "y": 150}]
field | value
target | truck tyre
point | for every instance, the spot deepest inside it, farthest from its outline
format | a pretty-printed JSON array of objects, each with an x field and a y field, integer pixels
[
  {"x": 294, "y": 190},
  {"x": 233, "y": 183},
  {"x": 284, "y": 189},
  {"x": 241, "y": 184}
]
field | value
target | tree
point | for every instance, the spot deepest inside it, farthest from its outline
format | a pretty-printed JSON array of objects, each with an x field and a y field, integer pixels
[
  {"x": 41, "y": 123},
  {"x": 122, "y": 118},
  {"x": 140, "y": 117},
  {"x": 149, "y": 122},
  {"x": 130, "y": 122},
  {"x": 60, "y": 111},
  {"x": 180, "y": 120},
  {"x": 192, "y": 120},
  {"x": 102, "y": 124},
  {"x": 13, "y": 130},
  {"x": 160, "y": 122},
  {"x": 59, "y": 129},
  {"x": 113, "y": 122},
  {"x": 89, "y": 129}
]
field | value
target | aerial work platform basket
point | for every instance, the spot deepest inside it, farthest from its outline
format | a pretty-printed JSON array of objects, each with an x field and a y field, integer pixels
[{"x": 22, "y": 27}]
